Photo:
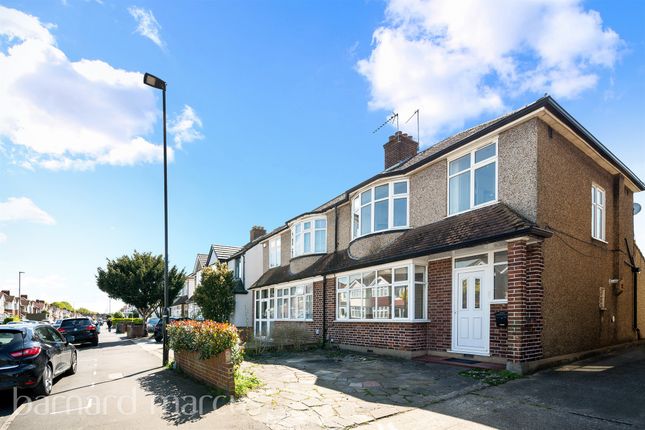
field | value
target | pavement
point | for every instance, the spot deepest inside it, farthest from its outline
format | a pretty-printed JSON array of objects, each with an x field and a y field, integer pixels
[{"x": 120, "y": 383}]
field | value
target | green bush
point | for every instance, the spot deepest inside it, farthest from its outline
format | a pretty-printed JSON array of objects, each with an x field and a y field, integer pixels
[
  {"x": 117, "y": 315},
  {"x": 207, "y": 338},
  {"x": 9, "y": 319},
  {"x": 135, "y": 321}
]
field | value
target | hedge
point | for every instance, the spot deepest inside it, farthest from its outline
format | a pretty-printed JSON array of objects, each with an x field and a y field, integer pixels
[
  {"x": 116, "y": 321},
  {"x": 207, "y": 338}
]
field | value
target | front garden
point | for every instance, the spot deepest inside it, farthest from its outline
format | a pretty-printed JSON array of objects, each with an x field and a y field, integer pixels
[{"x": 212, "y": 353}]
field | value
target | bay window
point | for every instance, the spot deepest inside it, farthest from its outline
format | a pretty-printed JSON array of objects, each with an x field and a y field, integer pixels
[
  {"x": 380, "y": 208},
  {"x": 395, "y": 293},
  {"x": 275, "y": 246},
  {"x": 472, "y": 179},
  {"x": 309, "y": 237}
]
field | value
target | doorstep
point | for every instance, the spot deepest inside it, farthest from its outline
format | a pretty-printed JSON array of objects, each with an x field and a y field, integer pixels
[{"x": 469, "y": 362}]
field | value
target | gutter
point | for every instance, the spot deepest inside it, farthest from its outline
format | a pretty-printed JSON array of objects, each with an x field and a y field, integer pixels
[{"x": 324, "y": 323}]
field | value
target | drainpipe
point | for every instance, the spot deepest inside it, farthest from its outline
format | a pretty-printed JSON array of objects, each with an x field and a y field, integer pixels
[
  {"x": 635, "y": 271},
  {"x": 324, "y": 322}
]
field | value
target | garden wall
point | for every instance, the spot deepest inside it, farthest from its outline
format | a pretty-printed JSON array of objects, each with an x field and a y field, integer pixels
[{"x": 216, "y": 371}]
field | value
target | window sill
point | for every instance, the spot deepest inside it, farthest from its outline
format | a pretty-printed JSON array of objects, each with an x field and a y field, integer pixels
[
  {"x": 311, "y": 254},
  {"x": 595, "y": 239},
  {"x": 483, "y": 205},
  {"x": 289, "y": 320},
  {"x": 499, "y": 302}
]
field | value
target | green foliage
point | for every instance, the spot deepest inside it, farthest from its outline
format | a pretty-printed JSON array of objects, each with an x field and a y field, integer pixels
[
  {"x": 9, "y": 319},
  {"x": 63, "y": 305},
  {"x": 138, "y": 281},
  {"x": 245, "y": 382},
  {"x": 215, "y": 294},
  {"x": 127, "y": 321},
  {"x": 208, "y": 338},
  {"x": 490, "y": 377},
  {"x": 85, "y": 311},
  {"x": 118, "y": 315}
]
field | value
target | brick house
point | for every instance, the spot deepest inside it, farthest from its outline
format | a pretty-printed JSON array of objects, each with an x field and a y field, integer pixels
[{"x": 505, "y": 242}]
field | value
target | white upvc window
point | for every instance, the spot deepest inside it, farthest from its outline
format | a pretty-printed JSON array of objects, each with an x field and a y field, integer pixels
[
  {"x": 294, "y": 303},
  {"x": 309, "y": 236},
  {"x": 472, "y": 179},
  {"x": 379, "y": 208},
  {"x": 386, "y": 294},
  {"x": 597, "y": 212},
  {"x": 275, "y": 246}
]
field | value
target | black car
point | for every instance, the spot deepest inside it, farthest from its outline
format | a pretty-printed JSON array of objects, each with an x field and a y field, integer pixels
[
  {"x": 79, "y": 330},
  {"x": 32, "y": 355},
  {"x": 158, "y": 334}
]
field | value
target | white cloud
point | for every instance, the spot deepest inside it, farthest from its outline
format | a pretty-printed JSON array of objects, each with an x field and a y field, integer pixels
[
  {"x": 456, "y": 60},
  {"x": 3, "y": 237},
  {"x": 147, "y": 24},
  {"x": 64, "y": 114},
  {"x": 183, "y": 127},
  {"x": 23, "y": 209}
]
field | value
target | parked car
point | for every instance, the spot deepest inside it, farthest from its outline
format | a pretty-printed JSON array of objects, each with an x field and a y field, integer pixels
[
  {"x": 32, "y": 355},
  {"x": 57, "y": 323},
  {"x": 150, "y": 325},
  {"x": 79, "y": 330},
  {"x": 159, "y": 327}
]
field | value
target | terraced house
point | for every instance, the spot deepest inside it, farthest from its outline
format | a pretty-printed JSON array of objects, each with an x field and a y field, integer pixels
[{"x": 512, "y": 241}]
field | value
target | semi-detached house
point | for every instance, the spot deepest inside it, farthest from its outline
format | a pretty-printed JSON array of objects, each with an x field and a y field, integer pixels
[{"x": 512, "y": 241}]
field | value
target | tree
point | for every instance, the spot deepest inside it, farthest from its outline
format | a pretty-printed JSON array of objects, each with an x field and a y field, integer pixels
[
  {"x": 117, "y": 314},
  {"x": 215, "y": 294},
  {"x": 63, "y": 305},
  {"x": 86, "y": 312},
  {"x": 137, "y": 280}
]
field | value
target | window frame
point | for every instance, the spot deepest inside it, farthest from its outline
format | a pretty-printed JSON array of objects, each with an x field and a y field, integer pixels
[
  {"x": 275, "y": 251},
  {"x": 471, "y": 169},
  {"x": 595, "y": 206},
  {"x": 296, "y": 236},
  {"x": 356, "y": 207},
  {"x": 274, "y": 296},
  {"x": 409, "y": 283}
]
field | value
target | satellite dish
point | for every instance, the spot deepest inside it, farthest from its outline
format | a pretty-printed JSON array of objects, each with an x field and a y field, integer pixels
[{"x": 637, "y": 208}]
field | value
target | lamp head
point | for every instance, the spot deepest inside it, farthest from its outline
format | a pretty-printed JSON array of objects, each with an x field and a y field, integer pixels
[{"x": 153, "y": 81}]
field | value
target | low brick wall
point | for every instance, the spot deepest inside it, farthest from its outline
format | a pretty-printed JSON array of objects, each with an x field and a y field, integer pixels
[{"x": 217, "y": 371}]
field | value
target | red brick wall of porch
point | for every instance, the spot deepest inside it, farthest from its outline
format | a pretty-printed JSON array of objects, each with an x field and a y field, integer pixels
[{"x": 519, "y": 342}]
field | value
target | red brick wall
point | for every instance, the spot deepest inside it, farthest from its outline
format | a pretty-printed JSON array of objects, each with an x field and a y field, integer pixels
[
  {"x": 440, "y": 304},
  {"x": 217, "y": 371},
  {"x": 525, "y": 293},
  {"x": 498, "y": 335}
]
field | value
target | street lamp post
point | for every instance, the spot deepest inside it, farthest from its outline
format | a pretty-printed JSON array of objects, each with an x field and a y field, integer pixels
[
  {"x": 155, "y": 82},
  {"x": 19, "y": 294}
]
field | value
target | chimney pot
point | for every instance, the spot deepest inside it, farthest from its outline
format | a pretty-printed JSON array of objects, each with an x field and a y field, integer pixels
[
  {"x": 257, "y": 231},
  {"x": 399, "y": 147}
]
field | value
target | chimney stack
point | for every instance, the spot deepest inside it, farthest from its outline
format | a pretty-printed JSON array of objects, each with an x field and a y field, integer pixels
[
  {"x": 257, "y": 231},
  {"x": 7, "y": 292},
  {"x": 400, "y": 147},
  {"x": 24, "y": 296}
]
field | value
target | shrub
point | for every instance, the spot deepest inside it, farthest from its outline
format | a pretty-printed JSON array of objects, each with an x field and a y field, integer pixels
[
  {"x": 117, "y": 315},
  {"x": 116, "y": 321},
  {"x": 294, "y": 335},
  {"x": 207, "y": 338},
  {"x": 9, "y": 319}
]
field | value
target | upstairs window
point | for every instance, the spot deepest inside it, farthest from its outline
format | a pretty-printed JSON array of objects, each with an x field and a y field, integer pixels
[
  {"x": 275, "y": 247},
  {"x": 309, "y": 237},
  {"x": 380, "y": 208},
  {"x": 472, "y": 179},
  {"x": 597, "y": 212}
]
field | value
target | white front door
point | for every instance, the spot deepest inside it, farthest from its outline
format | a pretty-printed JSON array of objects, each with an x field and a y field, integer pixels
[{"x": 470, "y": 313}]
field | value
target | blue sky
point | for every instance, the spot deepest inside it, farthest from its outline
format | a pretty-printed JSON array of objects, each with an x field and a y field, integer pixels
[{"x": 271, "y": 107}]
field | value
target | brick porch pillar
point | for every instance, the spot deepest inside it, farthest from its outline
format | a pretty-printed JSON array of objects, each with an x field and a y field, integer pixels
[{"x": 525, "y": 293}]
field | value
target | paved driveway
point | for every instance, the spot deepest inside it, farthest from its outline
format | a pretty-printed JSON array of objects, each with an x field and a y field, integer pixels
[
  {"x": 327, "y": 389},
  {"x": 322, "y": 389}
]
